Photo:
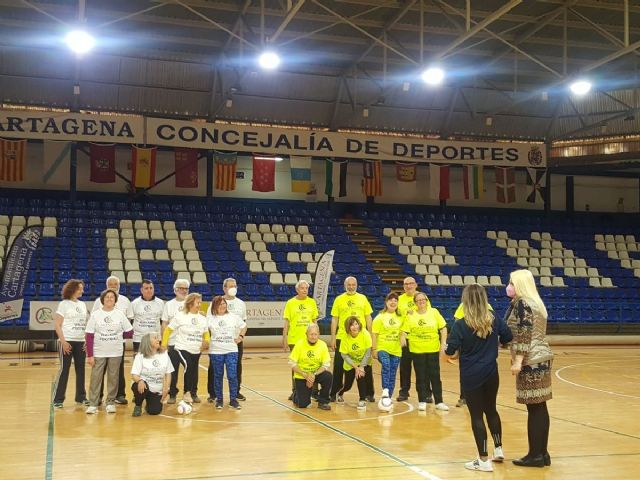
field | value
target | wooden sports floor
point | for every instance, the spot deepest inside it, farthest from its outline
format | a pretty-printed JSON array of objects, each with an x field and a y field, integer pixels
[{"x": 595, "y": 429}]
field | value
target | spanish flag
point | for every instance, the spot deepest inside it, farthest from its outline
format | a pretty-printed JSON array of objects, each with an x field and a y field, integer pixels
[
  {"x": 12, "y": 159},
  {"x": 143, "y": 167}
]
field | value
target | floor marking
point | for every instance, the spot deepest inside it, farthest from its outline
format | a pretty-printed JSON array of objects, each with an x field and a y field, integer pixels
[
  {"x": 48, "y": 474},
  {"x": 593, "y": 388}
]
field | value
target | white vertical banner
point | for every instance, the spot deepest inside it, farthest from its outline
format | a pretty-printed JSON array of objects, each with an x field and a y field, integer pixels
[{"x": 321, "y": 282}]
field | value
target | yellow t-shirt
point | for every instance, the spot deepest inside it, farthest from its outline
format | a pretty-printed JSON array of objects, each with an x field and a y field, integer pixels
[
  {"x": 355, "y": 347},
  {"x": 406, "y": 304},
  {"x": 300, "y": 314},
  {"x": 424, "y": 330},
  {"x": 346, "y": 306},
  {"x": 387, "y": 326},
  {"x": 310, "y": 358},
  {"x": 460, "y": 311}
]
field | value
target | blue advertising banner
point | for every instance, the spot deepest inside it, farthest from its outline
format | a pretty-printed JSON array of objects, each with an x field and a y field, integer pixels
[{"x": 16, "y": 267}]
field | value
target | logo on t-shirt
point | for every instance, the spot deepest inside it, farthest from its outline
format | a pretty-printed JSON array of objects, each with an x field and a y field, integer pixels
[
  {"x": 194, "y": 321},
  {"x": 107, "y": 319},
  {"x": 156, "y": 363},
  {"x": 147, "y": 308},
  {"x": 311, "y": 354},
  {"x": 354, "y": 347},
  {"x": 351, "y": 303},
  {"x": 78, "y": 309},
  {"x": 301, "y": 307},
  {"x": 392, "y": 322},
  {"x": 421, "y": 323}
]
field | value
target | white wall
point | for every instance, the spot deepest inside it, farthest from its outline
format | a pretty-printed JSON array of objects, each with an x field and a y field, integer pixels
[{"x": 601, "y": 193}]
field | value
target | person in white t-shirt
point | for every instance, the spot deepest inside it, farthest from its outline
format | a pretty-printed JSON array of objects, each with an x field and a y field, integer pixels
[
  {"x": 171, "y": 308},
  {"x": 237, "y": 307},
  {"x": 151, "y": 374},
  {"x": 70, "y": 322},
  {"x": 105, "y": 331},
  {"x": 123, "y": 303},
  {"x": 192, "y": 338},
  {"x": 146, "y": 311},
  {"x": 225, "y": 330}
]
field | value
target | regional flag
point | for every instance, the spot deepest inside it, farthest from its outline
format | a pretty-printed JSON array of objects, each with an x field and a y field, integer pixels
[
  {"x": 12, "y": 160},
  {"x": 56, "y": 163},
  {"x": 537, "y": 182},
  {"x": 300, "y": 174},
  {"x": 406, "y": 172},
  {"x": 143, "y": 166},
  {"x": 226, "y": 164},
  {"x": 336, "y": 178},
  {"x": 505, "y": 184},
  {"x": 103, "y": 163},
  {"x": 439, "y": 181},
  {"x": 264, "y": 174},
  {"x": 372, "y": 178},
  {"x": 186, "y": 167},
  {"x": 473, "y": 182}
]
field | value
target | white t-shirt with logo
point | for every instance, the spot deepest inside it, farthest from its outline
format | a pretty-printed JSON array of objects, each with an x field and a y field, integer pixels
[
  {"x": 74, "y": 324},
  {"x": 146, "y": 316},
  {"x": 189, "y": 328},
  {"x": 235, "y": 305},
  {"x": 122, "y": 304},
  {"x": 224, "y": 330},
  {"x": 170, "y": 310},
  {"x": 108, "y": 328},
  {"x": 152, "y": 369}
]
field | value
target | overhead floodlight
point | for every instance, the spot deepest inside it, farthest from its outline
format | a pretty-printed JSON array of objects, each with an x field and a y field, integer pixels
[
  {"x": 580, "y": 87},
  {"x": 433, "y": 76},
  {"x": 79, "y": 41},
  {"x": 269, "y": 60}
]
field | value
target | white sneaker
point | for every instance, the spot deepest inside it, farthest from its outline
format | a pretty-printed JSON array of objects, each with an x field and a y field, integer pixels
[
  {"x": 385, "y": 392},
  {"x": 339, "y": 399},
  {"x": 362, "y": 405},
  {"x": 187, "y": 397},
  {"x": 442, "y": 406},
  {"x": 111, "y": 408},
  {"x": 422, "y": 406},
  {"x": 479, "y": 465},
  {"x": 498, "y": 454},
  {"x": 91, "y": 410}
]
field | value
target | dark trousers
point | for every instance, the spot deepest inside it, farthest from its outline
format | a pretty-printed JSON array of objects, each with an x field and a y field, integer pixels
[
  {"x": 365, "y": 384},
  {"x": 338, "y": 371},
  {"x": 538, "y": 424},
  {"x": 153, "y": 404},
  {"x": 211, "y": 374},
  {"x": 78, "y": 356},
  {"x": 302, "y": 394},
  {"x": 121, "y": 387},
  {"x": 427, "y": 367},
  {"x": 405, "y": 372},
  {"x": 190, "y": 363},
  {"x": 175, "y": 361},
  {"x": 481, "y": 402}
]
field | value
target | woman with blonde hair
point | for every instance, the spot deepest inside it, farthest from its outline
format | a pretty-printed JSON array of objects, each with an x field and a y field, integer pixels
[
  {"x": 531, "y": 361},
  {"x": 475, "y": 339},
  {"x": 385, "y": 333}
]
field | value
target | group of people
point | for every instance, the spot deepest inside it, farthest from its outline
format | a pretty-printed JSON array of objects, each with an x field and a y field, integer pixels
[{"x": 408, "y": 332}]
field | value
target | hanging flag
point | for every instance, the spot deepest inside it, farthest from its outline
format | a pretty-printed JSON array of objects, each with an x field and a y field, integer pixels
[
  {"x": 406, "y": 172},
  {"x": 321, "y": 282},
  {"x": 300, "y": 174},
  {"x": 537, "y": 181},
  {"x": 186, "y": 167},
  {"x": 12, "y": 159},
  {"x": 505, "y": 184},
  {"x": 56, "y": 163},
  {"x": 438, "y": 181},
  {"x": 473, "y": 182},
  {"x": 372, "y": 178},
  {"x": 226, "y": 163},
  {"x": 336, "y": 178},
  {"x": 103, "y": 163},
  {"x": 16, "y": 268},
  {"x": 264, "y": 174},
  {"x": 143, "y": 166}
]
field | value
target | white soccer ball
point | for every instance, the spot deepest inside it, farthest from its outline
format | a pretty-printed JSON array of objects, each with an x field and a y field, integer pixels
[
  {"x": 385, "y": 404},
  {"x": 184, "y": 408}
]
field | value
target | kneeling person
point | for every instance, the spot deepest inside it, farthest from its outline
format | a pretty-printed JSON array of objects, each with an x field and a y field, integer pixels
[
  {"x": 310, "y": 362},
  {"x": 151, "y": 374}
]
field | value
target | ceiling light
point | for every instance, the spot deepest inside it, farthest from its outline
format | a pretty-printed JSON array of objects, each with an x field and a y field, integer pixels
[
  {"x": 580, "y": 87},
  {"x": 433, "y": 76},
  {"x": 269, "y": 60},
  {"x": 79, "y": 41}
]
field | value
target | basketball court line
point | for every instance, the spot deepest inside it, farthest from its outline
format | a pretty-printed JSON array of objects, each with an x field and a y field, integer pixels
[
  {"x": 557, "y": 373},
  {"x": 48, "y": 473}
]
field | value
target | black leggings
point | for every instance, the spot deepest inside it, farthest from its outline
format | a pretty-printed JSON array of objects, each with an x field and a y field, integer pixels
[
  {"x": 154, "y": 403},
  {"x": 538, "y": 428},
  {"x": 481, "y": 401}
]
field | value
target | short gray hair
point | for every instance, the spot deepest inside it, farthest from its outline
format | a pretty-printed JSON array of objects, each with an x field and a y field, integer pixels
[
  {"x": 226, "y": 280},
  {"x": 300, "y": 282},
  {"x": 181, "y": 282},
  {"x": 112, "y": 277},
  {"x": 312, "y": 326}
]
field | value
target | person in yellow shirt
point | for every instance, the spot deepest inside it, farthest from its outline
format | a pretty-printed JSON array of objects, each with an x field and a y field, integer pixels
[
  {"x": 299, "y": 312},
  {"x": 386, "y": 342},
  {"x": 428, "y": 331},
  {"x": 355, "y": 349},
  {"x": 310, "y": 362},
  {"x": 349, "y": 304}
]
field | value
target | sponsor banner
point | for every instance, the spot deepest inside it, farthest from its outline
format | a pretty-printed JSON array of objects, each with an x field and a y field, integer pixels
[
  {"x": 321, "y": 282},
  {"x": 16, "y": 267},
  {"x": 273, "y": 140},
  {"x": 71, "y": 126},
  {"x": 41, "y": 314}
]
